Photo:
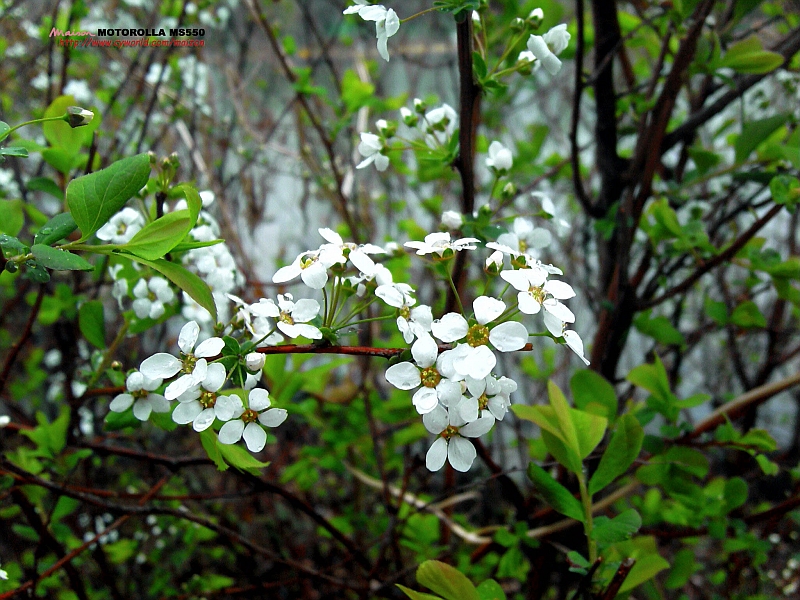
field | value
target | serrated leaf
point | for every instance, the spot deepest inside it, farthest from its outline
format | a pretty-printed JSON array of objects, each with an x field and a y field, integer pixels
[
  {"x": 93, "y": 199},
  {"x": 91, "y": 321},
  {"x": 60, "y": 260},
  {"x": 622, "y": 450},
  {"x": 190, "y": 283},
  {"x": 55, "y": 230},
  {"x": 555, "y": 494},
  {"x": 447, "y": 581}
]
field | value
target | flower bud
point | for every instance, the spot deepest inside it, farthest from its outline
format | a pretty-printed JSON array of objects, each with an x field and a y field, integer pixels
[
  {"x": 420, "y": 106},
  {"x": 409, "y": 118},
  {"x": 535, "y": 18},
  {"x": 4, "y": 421},
  {"x": 518, "y": 25},
  {"x": 509, "y": 191},
  {"x": 494, "y": 264},
  {"x": 255, "y": 361},
  {"x": 386, "y": 128},
  {"x": 452, "y": 219},
  {"x": 78, "y": 117}
]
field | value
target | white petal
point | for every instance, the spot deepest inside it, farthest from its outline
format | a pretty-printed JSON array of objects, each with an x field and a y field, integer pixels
[
  {"x": 231, "y": 432},
  {"x": 436, "y": 421},
  {"x": 539, "y": 238},
  {"x": 448, "y": 391},
  {"x": 559, "y": 289},
  {"x": 161, "y": 365},
  {"x": 185, "y": 412},
  {"x": 204, "y": 420},
  {"x": 450, "y": 327},
  {"x": 303, "y": 329},
  {"x": 158, "y": 403},
  {"x": 121, "y": 403},
  {"x": 361, "y": 261},
  {"x": 259, "y": 399},
  {"x": 487, "y": 309},
  {"x": 425, "y": 350},
  {"x": 528, "y": 304},
  {"x": 461, "y": 453},
  {"x": 555, "y": 308},
  {"x": 304, "y": 310},
  {"x": 425, "y": 400},
  {"x": 142, "y": 409},
  {"x": 575, "y": 343},
  {"x": 188, "y": 336},
  {"x": 478, "y": 363},
  {"x": 393, "y": 22},
  {"x": 509, "y": 336},
  {"x": 210, "y": 347},
  {"x": 134, "y": 381},
  {"x": 518, "y": 279},
  {"x": 287, "y": 273},
  {"x": 178, "y": 387},
  {"x": 554, "y": 325},
  {"x": 437, "y": 454},
  {"x": 273, "y": 417},
  {"x": 403, "y": 376},
  {"x": 330, "y": 236},
  {"x": 255, "y": 437},
  {"x": 478, "y": 427},
  {"x": 314, "y": 276},
  {"x": 468, "y": 409},
  {"x": 225, "y": 407}
]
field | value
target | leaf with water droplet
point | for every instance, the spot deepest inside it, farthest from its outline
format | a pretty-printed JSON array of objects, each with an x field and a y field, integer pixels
[{"x": 55, "y": 229}]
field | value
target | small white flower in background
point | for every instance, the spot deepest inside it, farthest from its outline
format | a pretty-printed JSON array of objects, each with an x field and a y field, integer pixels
[
  {"x": 4, "y": 421},
  {"x": 452, "y": 219},
  {"x": 119, "y": 289},
  {"x": 193, "y": 362},
  {"x": 439, "y": 242},
  {"x": 386, "y": 22},
  {"x": 121, "y": 227},
  {"x": 151, "y": 296},
  {"x": 524, "y": 236},
  {"x": 500, "y": 157},
  {"x": 140, "y": 395},
  {"x": 452, "y": 444},
  {"x": 370, "y": 148},
  {"x": 309, "y": 267},
  {"x": 244, "y": 425},
  {"x": 546, "y": 48},
  {"x": 440, "y": 124},
  {"x": 435, "y": 388},
  {"x": 293, "y": 317},
  {"x": 408, "y": 117},
  {"x": 3, "y": 574},
  {"x": 562, "y": 226},
  {"x": 200, "y": 404}
]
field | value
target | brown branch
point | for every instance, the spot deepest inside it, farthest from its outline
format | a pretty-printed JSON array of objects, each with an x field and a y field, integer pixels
[
  {"x": 577, "y": 184},
  {"x": 26, "y": 333}
]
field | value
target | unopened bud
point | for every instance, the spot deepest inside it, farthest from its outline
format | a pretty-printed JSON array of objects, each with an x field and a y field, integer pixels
[
  {"x": 78, "y": 117},
  {"x": 255, "y": 361},
  {"x": 518, "y": 24},
  {"x": 509, "y": 191},
  {"x": 420, "y": 106},
  {"x": 535, "y": 18},
  {"x": 494, "y": 264},
  {"x": 409, "y": 118},
  {"x": 452, "y": 219},
  {"x": 386, "y": 128}
]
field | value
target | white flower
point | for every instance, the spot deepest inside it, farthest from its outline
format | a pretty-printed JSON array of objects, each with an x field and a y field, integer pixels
[
  {"x": 452, "y": 219},
  {"x": 194, "y": 363},
  {"x": 4, "y": 421},
  {"x": 558, "y": 328},
  {"x": 151, "y": 296},
  {"x": 244, "y": 425},
  {"x": 386, "y": 22},
  {"x": 495, "y": 261},
  {"x": 139, "y": 395},
  {"x": 474, "y": 358},
  {"x": 309, "y": 267},
  {"x": 439, "y": 242},
  {"x": 537, "y": 292},
  {"x": 489, "y": 394},
  {"x": 545, "y": 48},
  {"x": 562, "y": 226},
  {"x": 415, "y": 323},
  {"x": 500, "y": 157},
  {"x": 370, "y": 148},
  {"x": 435, "y": 388},
  {"x": 451, "y": 443},
  {"x": 293, "y": 317},
  {"x": 337, "y": 251},
  {"x": 121, "y": 227},
  {"x": 201, "y": 404},
  {"x": 440, "y": 124},
  {"x": 255, "y": 361},
  {"x": 558, "y": 38},
  {"x": 523, "y": 235}
]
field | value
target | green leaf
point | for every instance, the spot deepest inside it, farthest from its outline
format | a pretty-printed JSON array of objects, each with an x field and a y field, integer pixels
[
  {"x": 56, "y": 229},
  {"x": 60, "y": 260},
  {"x": 622, "y": 450},
  {"x": 555, "y": 494},
  {"x": 767, "y": 466},
  {"x": 11, "y": 216},
  {"x": 240, "y": 458},
  {"x": 717, "y": 311},
  {"x": 93, "y": 199},
  {"x": 91, "y": 321},
  {"x": 620, "y": 528},
  {"x": 749, "y": 56},
  {"x": 156, "y": 239},
  {"x": 208, "y": 439},
  {"x": 4, "y": 129},
  {"x": 355, "y": 93},
  {"x": 683, "y": 567},
  {"x": 59, "y": 133},
  {"x": 190, "y": 283},
  {"x": 593, "y": 393},
  {"x": 14, "y": 151},
  {"x": 736, "y": 493},
  {"x": 12, "y": 245},
  {"x": 660, "y": 329},
  {"x": 491, "y": 590},
  {"x": 785, "y": 190},
  {"x": 446, "y": 581},
  {"x": 760, "y": 439},
  {"x": 544, "y": 417},
  {"x": 755, "y": 132},
  {"x": 648, "y": 562},
  {"x": 46, "y": 185},
  {"x": 50, "y": 438},
  {"x": 417, "y": 595},
  {"x": 748, "y": 315}
]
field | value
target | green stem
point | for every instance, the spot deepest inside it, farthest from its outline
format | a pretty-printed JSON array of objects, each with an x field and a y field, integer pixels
[
  {"x": 588, "y": 524},
  {"x": 419, "y": 14},
  {"x": 455, "y": 292},
  {"x": 32, "y": 122},
  {"x": 107, "y": 356}
]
